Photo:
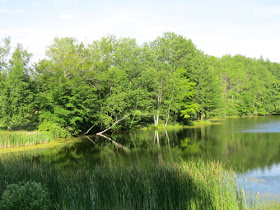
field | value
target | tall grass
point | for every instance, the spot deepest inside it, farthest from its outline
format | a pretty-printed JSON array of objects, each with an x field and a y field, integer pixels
[
  {"x": 21, "y": 138},
  {"x": 187, "y": 185}
]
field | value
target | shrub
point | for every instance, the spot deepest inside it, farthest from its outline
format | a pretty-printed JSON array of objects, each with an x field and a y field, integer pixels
[
  {"x": 53, "y": 128},
  {"x": 29, "y": 195}
]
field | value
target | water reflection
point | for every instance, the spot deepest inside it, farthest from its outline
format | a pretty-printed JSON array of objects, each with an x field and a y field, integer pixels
[
  {"x": 250, "y": 145},
  {"x": 227, "y": 142},
  {"x": 266, "y": 181},
  {"x": 124, "y": 149}
]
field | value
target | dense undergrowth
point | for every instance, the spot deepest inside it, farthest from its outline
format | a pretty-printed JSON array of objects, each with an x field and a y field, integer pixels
[{"x": 186, "y": 185}]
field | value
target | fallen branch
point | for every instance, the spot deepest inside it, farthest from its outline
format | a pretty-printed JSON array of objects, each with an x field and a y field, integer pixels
[
  {"x": 89, "y": 130},
  {"x": 99, "y": 133}
]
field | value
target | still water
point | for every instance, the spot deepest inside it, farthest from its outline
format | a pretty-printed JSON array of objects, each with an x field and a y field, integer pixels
[{"x": 249, "y": 145}]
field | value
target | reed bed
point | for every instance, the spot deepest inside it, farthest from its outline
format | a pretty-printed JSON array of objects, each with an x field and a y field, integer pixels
[
  {"x": 23, "y": 138},
  {"x": 187, "y": 185}
]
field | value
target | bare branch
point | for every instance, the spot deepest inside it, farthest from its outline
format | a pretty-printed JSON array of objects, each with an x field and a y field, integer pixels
[
  {"x": 89, "y": 130},
  {"x": 116, "y": 122}
]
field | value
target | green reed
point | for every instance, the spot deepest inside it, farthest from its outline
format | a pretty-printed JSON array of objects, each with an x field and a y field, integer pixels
[
  {"x": 186, "y": 185},
  {"x": 22, "y": 138}
]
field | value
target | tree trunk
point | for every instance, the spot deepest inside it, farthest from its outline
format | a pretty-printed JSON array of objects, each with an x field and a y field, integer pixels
[
  {"x": 172, "y": 95},
  {"x": 156, "y": 118},
  {"x": 202, "y": 116},
  {"x": 159, "y": 98},
  {"x": 167, "y": 119}
]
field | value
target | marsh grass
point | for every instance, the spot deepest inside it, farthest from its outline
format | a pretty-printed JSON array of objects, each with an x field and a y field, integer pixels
[
  {"x": 186, "y": 185},
  {"x": 23, "y": 138}
]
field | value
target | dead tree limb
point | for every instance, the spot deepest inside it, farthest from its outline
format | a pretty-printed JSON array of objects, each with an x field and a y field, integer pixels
[
  {"x": 116, "y": 122},
  {"x": 89, "y": 130}
]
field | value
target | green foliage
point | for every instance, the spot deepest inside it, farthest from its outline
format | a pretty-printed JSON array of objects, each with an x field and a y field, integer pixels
[
  {"x": 54, "y": 128},
  {"x": 29, "y": 195},
  {"x": 65, "y": 96},
  {"x": 249, "y": 86},
  {"x": 172, "y": 90},
  {"x": 4, "y": 52},
  {"x": 167, "y": 80},
  {"x": 16, "y": 97}
]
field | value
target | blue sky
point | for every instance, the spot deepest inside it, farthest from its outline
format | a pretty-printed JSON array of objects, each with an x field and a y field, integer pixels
[{"x": 217, "y": 27}]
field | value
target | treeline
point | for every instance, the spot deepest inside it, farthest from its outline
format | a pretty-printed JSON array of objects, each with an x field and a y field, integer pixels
[{"x": 116, "y": 80}]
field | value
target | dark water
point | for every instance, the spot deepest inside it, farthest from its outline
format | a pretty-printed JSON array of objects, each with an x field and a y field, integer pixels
[{"x": 249, "y": 145}]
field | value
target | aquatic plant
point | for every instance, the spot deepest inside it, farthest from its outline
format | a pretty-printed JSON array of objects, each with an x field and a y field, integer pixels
[
  {"x": 185, "y": 185},
  {"x": 22, "y": 138}
]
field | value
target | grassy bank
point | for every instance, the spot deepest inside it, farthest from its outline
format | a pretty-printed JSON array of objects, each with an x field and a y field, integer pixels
[
  {"x": 23, "y": 138},
  {"x": 162, "y": 127},
  {"x": 197, "y": 123},
  {"x": 186, "y": 185}
]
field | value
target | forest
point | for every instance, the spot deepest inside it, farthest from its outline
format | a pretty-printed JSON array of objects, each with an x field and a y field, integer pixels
[{"x": 117, "y": 83}]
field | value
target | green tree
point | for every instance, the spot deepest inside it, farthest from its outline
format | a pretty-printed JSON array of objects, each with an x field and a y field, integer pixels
[
  {"x": 208, "y": 91},
  {"x": 67, "y": 99},
  {"x": 172, "y": 89},
  {"x": 4, "y": 52},
  {"x": 16, "y": 93},
  {"x": 115, "y": 70}
]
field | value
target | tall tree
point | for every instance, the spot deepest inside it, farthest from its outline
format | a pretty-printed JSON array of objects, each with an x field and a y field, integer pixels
[
  {"x": 16, "y": 93},
  {"x": 173, "y": 90},
  {"x": 208, "y": 91},
  {"x": 67, "y": 99}
]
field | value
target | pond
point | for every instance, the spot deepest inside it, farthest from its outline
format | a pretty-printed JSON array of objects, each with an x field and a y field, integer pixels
[{"x": 251, "y": 146}]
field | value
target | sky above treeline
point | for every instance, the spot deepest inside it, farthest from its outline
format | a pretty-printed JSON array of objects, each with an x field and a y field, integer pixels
[{"x": 217, "y": 27}]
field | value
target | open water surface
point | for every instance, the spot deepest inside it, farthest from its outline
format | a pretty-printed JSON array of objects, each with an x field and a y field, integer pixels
[{"x": 249, "y": 145}]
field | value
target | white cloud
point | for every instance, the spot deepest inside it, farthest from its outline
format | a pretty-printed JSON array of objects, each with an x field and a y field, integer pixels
[
  {"x": 61, "y": 2},
  {"x": 121, "y": 17},
  {"x": 254, "y": 48},
  {"x": 36, "y": 4},
  {"x": 249, "y": 32},
  {"x": 231, "y": 30},
  {"x": 65, "y": 16},
  {"x": 36, "y": 40},
  {"x": 267, "y": 11},
  {"x": 60, "y": 5},
  {"x": 4, "y": 11},
  {"x": 18, "y": 11}
]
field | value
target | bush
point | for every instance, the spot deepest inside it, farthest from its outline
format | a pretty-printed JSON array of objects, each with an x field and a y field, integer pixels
[
  {"x": 29, "y": 195},
  {"x": 53, "y": 128}
]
